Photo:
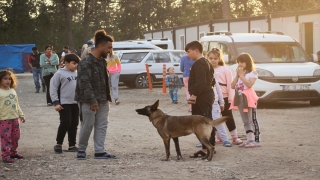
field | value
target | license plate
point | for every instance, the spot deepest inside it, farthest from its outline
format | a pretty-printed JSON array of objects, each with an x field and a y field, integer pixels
[{"x": 299, "y": 87}]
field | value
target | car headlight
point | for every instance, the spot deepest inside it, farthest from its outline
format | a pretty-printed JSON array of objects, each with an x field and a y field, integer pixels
[
  {"x": 316, "y": 72},
  {"x": 264, "y": 73}
]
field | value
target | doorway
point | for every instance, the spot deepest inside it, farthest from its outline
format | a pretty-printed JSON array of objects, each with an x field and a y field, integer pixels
[{"x": 308, "y": 37}]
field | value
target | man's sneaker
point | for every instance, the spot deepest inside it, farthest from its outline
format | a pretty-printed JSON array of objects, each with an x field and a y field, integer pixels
[
  {"x": 37, "y": 91},
  {"x": 199, "y": 144},
  {"x": 43, "y": 88},
  {"x": 81, "y": 155},
  {"x": 57, "y": 149},
  {"x": 49, "y": 104},
  {"x": 117, "y": 101},
  {"x": 104, "y": 156}
]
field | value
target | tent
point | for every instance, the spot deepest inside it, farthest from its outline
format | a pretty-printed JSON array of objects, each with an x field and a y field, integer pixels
[{"x": 15, "y": 56}]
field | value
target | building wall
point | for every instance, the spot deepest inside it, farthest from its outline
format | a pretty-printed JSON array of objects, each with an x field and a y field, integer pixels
[
  {"x": 239, "y": 27},
  {"x": 315, "y": 19},
  {"x": 258, "y": 25},
  {"x": 220, "y": 26},
  {"x": 203, "y": 30},
  {"x": 192, "y": 34},
  {"x": 157, "y": 35},
  {"x": 167, "y": 34},
  {"x": 148, "y": 36},
  {"x": 179, "y": 35}
]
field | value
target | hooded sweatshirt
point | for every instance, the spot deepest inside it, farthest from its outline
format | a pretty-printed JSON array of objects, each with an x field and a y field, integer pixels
[{"x": 62, "y": 87}]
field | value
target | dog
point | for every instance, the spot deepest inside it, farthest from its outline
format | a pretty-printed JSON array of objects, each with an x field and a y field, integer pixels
[{"x": 175, "y": 126}]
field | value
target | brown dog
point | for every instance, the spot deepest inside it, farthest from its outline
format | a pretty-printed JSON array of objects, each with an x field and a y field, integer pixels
[{"x": 175, "y": 126}]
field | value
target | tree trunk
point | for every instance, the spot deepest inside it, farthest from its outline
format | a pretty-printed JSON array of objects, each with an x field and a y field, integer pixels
[
  {"x": 86, "y": 19},
  {"x": 226, "y": 12},
  {"x": 67, "y": 17}
]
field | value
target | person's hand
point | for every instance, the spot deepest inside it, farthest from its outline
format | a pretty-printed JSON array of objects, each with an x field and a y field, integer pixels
[
  {"x": 58, "y": 107},
  {"x": 221, "y": 108},
  {"x": 23, "y": 119},
  {"x": 240, "y": 71},
  {"x": 94, "y": 107},
  {"x": 192, "y": 99}
]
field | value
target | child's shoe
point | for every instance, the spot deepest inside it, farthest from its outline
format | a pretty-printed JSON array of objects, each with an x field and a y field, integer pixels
[
  {"x": 17, "y": 156},
  {"x": 8, "y": 160},
  {"x": 237, "y": 141},
  {"x": 227, "y": 144}
]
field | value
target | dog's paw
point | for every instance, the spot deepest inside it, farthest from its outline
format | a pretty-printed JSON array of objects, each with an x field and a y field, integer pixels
[{"x": 180, "y": 158}]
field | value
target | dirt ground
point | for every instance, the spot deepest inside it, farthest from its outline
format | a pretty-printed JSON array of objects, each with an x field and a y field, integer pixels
[{"x": 289, "y": 134}]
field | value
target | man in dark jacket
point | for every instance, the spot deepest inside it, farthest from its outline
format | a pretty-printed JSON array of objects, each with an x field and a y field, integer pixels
[
  {"x": 93, "y": 94},
  {"x": 34, "y": 63}
]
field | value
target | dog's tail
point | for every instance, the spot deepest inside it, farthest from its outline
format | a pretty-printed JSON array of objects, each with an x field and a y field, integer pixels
[{"x": 219, "y": 121}]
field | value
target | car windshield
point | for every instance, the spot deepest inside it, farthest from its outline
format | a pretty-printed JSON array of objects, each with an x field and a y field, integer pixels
[
  {"x": 273, "y": 52},
  {"x": 177, "y": 56},
  {"x": 132, "y": 57}
]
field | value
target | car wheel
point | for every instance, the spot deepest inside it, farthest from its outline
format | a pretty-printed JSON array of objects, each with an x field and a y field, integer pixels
[
  {"x": 142, "y": 81},
  {"x": 130, "y": 84},
  {"x": 315, "y": 102}
]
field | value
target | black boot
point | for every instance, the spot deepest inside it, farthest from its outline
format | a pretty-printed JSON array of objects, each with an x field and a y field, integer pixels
[{"x": 43, "y": 88}]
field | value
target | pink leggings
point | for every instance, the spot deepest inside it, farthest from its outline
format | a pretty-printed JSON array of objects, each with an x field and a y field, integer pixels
[{"x": 9, "y": 135}]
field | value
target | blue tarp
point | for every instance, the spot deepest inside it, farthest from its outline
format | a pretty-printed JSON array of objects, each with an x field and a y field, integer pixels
[{"x": 11, "y": 56}]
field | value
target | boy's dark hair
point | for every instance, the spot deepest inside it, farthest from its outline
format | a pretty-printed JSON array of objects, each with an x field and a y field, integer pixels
[
  {"x": 9, "y": 72},
  {"x": 101, "y": 37},
  {"x": 194, "y": 45},
  {"x": 48, "y": 46},
  {"x": 246, "y": 58},
  {"x": 34, "y": 48},
  {"x": 169, "y": 69},
  {"x": 66, "y": 47},
  {"x": 72, "y": 57}
]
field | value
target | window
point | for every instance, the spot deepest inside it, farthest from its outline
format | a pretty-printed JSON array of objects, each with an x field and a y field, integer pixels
[
  {"x": 162, "y": 57},
  {"x": 177, "y": 57},
  {"x": 182, "y": 43},
  {"x": 132, "y": 57}
]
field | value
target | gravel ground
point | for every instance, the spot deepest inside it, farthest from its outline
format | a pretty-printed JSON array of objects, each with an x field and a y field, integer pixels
[{"x": 289, "y": 132}]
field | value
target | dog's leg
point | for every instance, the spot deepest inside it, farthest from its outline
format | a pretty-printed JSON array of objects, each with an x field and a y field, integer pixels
[
  {"x": 176, "y": 143},
  {"x": 209, "y": 147},
  {"x": 166, "y": 141}
]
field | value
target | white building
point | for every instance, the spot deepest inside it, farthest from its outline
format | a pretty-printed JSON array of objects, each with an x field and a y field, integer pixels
[{"x": 304, "y": 26}]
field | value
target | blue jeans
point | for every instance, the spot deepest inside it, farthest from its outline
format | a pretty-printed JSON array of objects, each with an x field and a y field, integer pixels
[
  {"x": 174, "y": 94},
  {"x": 36, "y": 73}
]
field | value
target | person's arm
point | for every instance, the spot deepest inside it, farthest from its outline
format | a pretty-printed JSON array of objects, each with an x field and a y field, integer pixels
[
  {"x": 182, "y": 64},
  {"x": 118, "y": 63},
  {"x": 43, "y": 61},
  {"x": 21, "y": 115},
  {"x": 180, "y": 83},
  {"x": 84, "y": 80},
  {"x": 201, "y": 78},
  {"x": 220, "y": 95},
  {"x": 167, "y": 81},
  {"x": 54, "y": 87},
  {"x": 229, "y": 79},
  {"x": 29, "y": 61},
  {"x": 249, "y": 83},
  {"x": 55, "y": 60}
]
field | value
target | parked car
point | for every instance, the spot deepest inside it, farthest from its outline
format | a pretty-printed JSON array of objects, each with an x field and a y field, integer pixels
[
  {"x": 286, "y": 73},
  {"x": 133, "y": 73}
]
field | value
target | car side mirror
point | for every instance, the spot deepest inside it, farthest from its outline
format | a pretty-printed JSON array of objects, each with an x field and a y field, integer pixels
[
  {"x": 226, "y": 58},
  {"x": 314, "y": 57}
]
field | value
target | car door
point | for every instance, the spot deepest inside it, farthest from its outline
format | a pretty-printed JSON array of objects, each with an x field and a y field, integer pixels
[{"x": 156, "y": 61}]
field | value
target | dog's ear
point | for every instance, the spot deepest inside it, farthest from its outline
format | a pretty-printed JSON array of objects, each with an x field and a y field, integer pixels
[{"x": 155, "y": 106}]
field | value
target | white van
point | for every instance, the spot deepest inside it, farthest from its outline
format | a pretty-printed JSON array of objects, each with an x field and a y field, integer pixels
[
  {"x": 286, "y": 73},
  {"x": 163, "y": 43},
  {"x": 117, "y": 46}
]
